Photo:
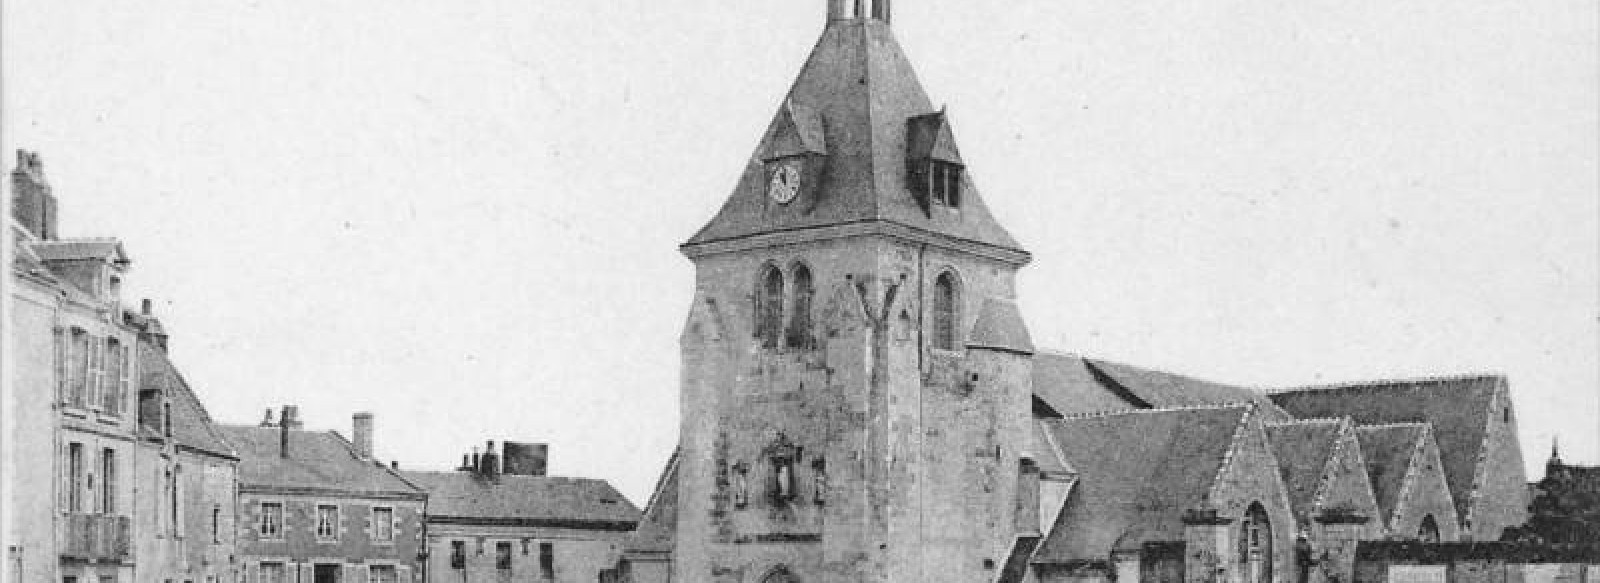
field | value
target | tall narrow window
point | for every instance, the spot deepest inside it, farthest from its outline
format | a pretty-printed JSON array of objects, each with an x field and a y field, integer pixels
[
  {"x": 945, "y": 298},
  {"x": 383, "y": 524},
  {"x": 272, "y": 573},
  {"x": 108, "y": 481},
  {"x": 78, "y": 371},
  {"x": 74, "y": 484},
  {"x": 458, "y": 554},
  {"x": 502, "y": 555},
  {"x": 97, "y": 377},
  {"x": 799, "y": 335},
  {"x": 271, "y": 520},
  {"x": 327, "y": 523},
  {"x": 547, "y": 561},
  {"x": 1428, "y": 532},
  {"x": 174, "y": 512},
  {"x": 945, "y": 183},
  {"x": 1255, "y": 545},
  {"x": 769, "y": 307},
  {"x": 111, "y": 396},
  {"x": 216, "y": 525}
]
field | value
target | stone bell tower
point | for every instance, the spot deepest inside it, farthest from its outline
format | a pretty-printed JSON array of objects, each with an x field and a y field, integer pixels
[{"x": 855, "y": 379}]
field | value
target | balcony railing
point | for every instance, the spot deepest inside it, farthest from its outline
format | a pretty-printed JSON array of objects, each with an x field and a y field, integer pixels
[{"x": 96, "y": 537}]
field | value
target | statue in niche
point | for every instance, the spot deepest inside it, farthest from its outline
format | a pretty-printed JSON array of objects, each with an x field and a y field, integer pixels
[
  {"x": 819, "y": 481},
  {"x": 781, "y": 454},
  {"x": 741, "y": 485}
]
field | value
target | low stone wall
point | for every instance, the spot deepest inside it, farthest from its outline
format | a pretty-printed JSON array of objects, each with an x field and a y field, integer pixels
[{"x": 1481, "y": 562}]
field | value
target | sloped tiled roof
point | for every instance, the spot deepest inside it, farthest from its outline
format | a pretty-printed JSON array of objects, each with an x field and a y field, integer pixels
[
  {"x": 862, "y": 88},
  {"x": 1066, "y": 383},
  {"x": 1456, "y": 407},
  {"x": 1303, "y": 449},
  {"x": 1072, "y": 384},
  {"x": 1000, "y": 327},
  {"x": 1047, "y": 453},
  {"x": 1164, "y": 390},
  {"x": 1390, "y": 451},
  {"x": 558, "y": 501},
  {"x": 319, "y": 460},
  {"x": 658, "y": 528},
  {"x": 1138, "y": 472},
  {"x": 191, "y": 424},
  {"x": 69, "y": 249}
]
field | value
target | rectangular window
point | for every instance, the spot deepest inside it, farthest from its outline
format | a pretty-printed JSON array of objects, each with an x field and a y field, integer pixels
[
  {"x": 383, "y": 574},
  {"x": 327, "y": 523},
  {"x": 78, "y": 371},
  {"x": 111, "y": 398},
  {"x": 108, "y": 481},
  {"x": 547, "y": 561},
  {"x": 458, "y": 554},
  {"x": 383, "y": 524},
  {"x": 502, "y": 555},
  {"x": 216, "y": 525},
  {"x": 271, "y": 522},
  {"x": 272, "y": 573},
  {"x": 74, "y": 484},
  {"x": 97, "y": 363}
]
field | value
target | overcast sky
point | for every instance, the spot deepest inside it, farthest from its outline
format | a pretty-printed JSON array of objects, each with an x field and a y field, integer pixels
[{"x": 463, "y": 215}]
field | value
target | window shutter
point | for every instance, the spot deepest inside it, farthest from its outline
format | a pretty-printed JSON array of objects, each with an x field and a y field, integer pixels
[
  {"x": 61, "y": 364},
  {"x": 97, "y": 360},
  {"x": 125, "y": 383}
]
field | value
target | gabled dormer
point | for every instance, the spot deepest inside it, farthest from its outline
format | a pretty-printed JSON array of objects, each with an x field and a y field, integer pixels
[
  {"x": 933, "y": 163},
  {"x": 94, "y": 266},
  {"x": 793, "y": 155}
]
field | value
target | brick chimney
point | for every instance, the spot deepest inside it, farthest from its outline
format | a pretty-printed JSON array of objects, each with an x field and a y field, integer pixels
[
  {"x": 361, "y": 434},
  {"x": 287, "y": 422},
  {"x": 490, "y": 463},
  {"x": 33, "y": 204}
]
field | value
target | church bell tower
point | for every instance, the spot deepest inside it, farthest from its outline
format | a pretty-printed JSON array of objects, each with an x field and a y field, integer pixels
[{"x": 856, "y": 377}]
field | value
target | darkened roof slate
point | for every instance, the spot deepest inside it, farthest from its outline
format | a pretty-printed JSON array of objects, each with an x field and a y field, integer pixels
[
  {"x": 466, "y": 495},
  {"x": 1456, "y": 407},
  {"x": 1065, "y": 382},
  {"x": 1138, "y": 472},
  {"x": 191, "y": 424},
  {"x": 1303, "y": 449},
  {"x": 1000, "y": 326},
  {"x": 862, "y": 88},
  {"x": 318, "y": 460},
  {"x": 1072, "y": 384},
  {"x": 1390, "y": 451}
]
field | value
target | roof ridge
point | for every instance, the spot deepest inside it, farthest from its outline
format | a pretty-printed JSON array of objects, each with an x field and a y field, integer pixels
[
  {"x": 1207, "y": 407},
  {"x": 1308, "y": 420},
  {"x": 1395, "y": 425},
  {"x": 1420, "y": 380}
]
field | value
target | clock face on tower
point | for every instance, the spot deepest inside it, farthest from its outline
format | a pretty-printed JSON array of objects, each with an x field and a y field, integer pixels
[{"x": 785, "y": 182}]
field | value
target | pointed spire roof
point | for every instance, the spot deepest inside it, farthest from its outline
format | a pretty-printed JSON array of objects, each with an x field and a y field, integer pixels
[{"x": 856, "y": 110}]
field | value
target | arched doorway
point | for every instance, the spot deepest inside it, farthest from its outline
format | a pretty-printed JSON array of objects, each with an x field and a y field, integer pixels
[
  {"x": 1429, "y": 531},
  {"x": 1255, "y": 545}
]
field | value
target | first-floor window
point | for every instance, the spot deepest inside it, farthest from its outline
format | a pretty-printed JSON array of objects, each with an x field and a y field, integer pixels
[
  {"x": 327, "y": 522},
  {"x": 547, "y": 561},
  {"x": 383, "y": 574},
  {"x": 458, "y": 554},
  {"x": 502, "y": 555},
  {"x": 108, "y": 481},
  {"x": 271, "y": 522},
  {"x": 383, "y": 524},
  {"x": 272, "y": 573},
  {"x": 74, "y": 484}
]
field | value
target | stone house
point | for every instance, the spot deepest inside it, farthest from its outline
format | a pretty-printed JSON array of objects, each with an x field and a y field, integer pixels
[
  {"x": 498, "y": 519},
  {"x": 184, "y": 522},
  {"x": 316, "y": 508}
]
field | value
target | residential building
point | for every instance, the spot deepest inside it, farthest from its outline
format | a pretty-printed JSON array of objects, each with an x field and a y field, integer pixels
[
  {"x": 498, "y": 519},
  {"x": 73, "y": 430},
  {"x": 315, "y": 507}
]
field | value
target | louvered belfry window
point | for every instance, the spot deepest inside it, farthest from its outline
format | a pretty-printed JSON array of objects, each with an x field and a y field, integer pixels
[
  {"x": 799, "y": 334},
  {"x": 769, "y": 308},
  {"x": 944, "y": 311}
]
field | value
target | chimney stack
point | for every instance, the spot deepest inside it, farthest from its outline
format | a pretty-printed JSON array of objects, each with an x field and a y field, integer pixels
[
  {"x": 475, "y": 467},
  {"x": 33, "y": 204},
  {"x": 491, "y": 462},
  {"x": 266, "y": 420},
  {"x": 361, "y": 434},
  {"x": 287, "y": 422},
  {"x": 525, "y": 459}
]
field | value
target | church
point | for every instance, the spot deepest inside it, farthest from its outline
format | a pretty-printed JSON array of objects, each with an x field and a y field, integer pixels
[{"x": 861, "y": 400}]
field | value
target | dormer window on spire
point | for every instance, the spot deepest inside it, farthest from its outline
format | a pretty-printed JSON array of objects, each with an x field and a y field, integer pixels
[{"x": 933, "y": 164}]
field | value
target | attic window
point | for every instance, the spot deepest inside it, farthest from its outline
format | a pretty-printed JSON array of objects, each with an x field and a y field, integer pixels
[{"x": 945, "y": 184}]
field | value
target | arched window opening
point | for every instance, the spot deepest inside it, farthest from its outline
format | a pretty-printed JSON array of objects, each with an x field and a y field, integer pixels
[
  {"x": 1255, "y": 544},
  {"x": 945, "y": 299},
  {"x": 1429, "y": 531},
  {"x": 799, "y": 335},
  {"x": 769, "y": 307},
  {"x": 780, "y": 575}
]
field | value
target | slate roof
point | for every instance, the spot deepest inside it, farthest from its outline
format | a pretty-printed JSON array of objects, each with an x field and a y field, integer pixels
[
  {"x": 1072, "y": 384},
  {"x": 192, "y": 426},
  {"x": 556, "y": 501},
  {"x": 862, "y": 88},
  {"x": 1390, "y": 451},
  {"x": 658, "y": 528},
  {"x": 1456, "y": 407},
  {"x": 1303, "y": 449},
  {"x": 1047, "y": 453},
  {"x": 1000, "y": 326},
  {"x": 1138, "y": 472},
  {"x": 319, "y": 460},
  {"x": 69, "y": 249}
]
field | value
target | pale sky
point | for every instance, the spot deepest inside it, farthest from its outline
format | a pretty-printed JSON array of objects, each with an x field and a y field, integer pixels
[{"x": 463, "y": 216}]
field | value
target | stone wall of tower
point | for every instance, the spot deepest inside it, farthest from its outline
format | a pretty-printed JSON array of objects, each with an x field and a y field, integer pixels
[{"x": 903, "y": 466}]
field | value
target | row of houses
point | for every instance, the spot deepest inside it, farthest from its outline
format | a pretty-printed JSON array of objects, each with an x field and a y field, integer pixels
[{"x": 121, "y": 475}]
